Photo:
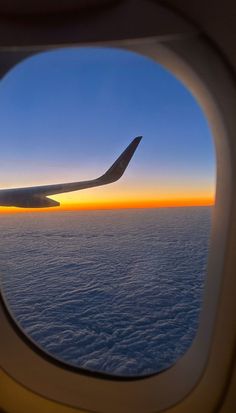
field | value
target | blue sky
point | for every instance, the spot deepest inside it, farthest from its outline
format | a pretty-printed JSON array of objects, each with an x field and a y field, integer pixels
[{"x": 66, "y": 115}]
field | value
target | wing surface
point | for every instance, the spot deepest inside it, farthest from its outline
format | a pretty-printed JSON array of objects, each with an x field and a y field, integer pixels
[{"x": 37, "y": 196}]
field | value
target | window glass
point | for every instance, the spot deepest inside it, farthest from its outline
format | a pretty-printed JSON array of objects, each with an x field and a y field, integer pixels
[{"x": 111, "y": 280}]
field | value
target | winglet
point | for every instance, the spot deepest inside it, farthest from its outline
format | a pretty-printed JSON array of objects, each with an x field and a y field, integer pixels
[{"x": 120, "y": 165}]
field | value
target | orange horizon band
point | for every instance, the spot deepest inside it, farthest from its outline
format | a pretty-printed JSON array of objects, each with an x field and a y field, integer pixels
[{"x": 165, "y": 203}]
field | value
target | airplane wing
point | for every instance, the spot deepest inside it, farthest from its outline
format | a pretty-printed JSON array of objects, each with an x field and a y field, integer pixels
[{"x": 37, "y": 196}]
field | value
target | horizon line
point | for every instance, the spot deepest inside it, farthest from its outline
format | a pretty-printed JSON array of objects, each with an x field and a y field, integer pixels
[{"x": 115, "y": 206}]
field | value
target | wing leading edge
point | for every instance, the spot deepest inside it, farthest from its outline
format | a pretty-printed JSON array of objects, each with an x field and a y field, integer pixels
[{"x": 37, "y": 196}]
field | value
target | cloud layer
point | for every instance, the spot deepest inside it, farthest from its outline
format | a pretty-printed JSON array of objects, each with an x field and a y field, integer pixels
[{"x": 110, "y": 291}]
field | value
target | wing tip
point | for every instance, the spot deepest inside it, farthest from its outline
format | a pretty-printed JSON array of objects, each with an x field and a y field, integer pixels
[
  {"x": 120, "y": 165},
  {"x": 136, "y": 140}
]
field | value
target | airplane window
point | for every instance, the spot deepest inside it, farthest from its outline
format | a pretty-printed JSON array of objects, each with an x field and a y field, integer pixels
[{"x": 105, "y": 273}]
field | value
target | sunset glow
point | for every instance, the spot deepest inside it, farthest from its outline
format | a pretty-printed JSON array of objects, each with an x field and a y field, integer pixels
[
  {"x": 119, "y": 204},
  {"x": 66, "y": 115}
]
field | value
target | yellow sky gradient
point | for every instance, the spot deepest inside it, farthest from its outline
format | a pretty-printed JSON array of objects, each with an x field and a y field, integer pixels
[
  {"x": 132, "y": 193},
  {"x": 105, "y": 198}
]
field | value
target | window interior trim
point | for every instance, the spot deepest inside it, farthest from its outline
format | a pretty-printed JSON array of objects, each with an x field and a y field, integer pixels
[{"x": 205, "y": 73}]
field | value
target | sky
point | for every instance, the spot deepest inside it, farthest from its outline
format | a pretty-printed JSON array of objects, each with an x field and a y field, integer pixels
[{"x": 67, "y": 114}]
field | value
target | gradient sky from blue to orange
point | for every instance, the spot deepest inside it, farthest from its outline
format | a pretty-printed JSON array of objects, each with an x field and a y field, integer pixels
[{"x": 66, "y": 115}]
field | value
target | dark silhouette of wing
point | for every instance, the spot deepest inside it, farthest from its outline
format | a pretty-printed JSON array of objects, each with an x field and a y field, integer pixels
[{"x": 37, "y": 196}]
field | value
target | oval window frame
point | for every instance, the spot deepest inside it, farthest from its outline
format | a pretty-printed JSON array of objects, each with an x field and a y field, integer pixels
[{"x": 201, "y": 69}]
